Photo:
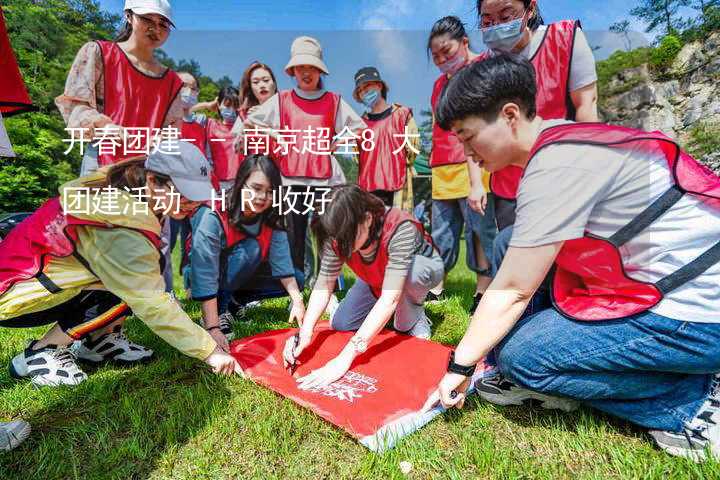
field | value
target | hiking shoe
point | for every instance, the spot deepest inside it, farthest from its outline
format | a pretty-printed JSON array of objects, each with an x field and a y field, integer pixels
[
  {"x": 499, "y": 390},
  {"x": 700, "y": 437},
  {"x": 13, "y": 434},
  {"x": 476, "y": 302},
  {"x": 225, "y": 323},
  {"x": 114, "y": 346},
  {"x": 421, "y": 329},
  {"x": 48, "y": 366}
]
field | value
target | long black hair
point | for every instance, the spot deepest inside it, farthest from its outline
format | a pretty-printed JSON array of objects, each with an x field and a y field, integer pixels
[
  {"x": 450, "y": 25},
  {"x": 347, "y": 209},
  {"x": 250, "y": 164},
  {"x": 126, "y": 30},
  {"x": 533, "y": 22}
]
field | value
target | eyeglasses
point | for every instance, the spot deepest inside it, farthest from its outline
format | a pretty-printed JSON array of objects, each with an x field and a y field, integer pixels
[
  {"x": 163, "y": 25},
  {"x": 504, "y": 17},
  {"x": 258, "y": 192}
]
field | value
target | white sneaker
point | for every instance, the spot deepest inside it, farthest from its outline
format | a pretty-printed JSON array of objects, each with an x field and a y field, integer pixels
[
  {"x": 421, "y": 328},
  {"x": 225, "y": 321},
  {"x": 13, "y": 434},
  {"x": 113, "y": 346},
  {"x": 332, "y": 307},
  {"x": 499, "y": 390},
  {"x": 49, "y": 366}
]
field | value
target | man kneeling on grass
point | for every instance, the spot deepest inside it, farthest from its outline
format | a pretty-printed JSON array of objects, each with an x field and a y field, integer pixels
[{"x": 631, "y": 224}]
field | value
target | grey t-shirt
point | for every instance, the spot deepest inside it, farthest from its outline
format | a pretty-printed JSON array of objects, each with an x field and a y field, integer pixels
[{"x": 567, "y": 190}]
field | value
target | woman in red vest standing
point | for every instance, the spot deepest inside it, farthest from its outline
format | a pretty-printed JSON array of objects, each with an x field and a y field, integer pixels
[
  {"x": 118, "y": 92},
  {"x": 385, "y": 170},
  {"x": 634, "y": 330},
  {"x": 566, "y": 76},
  {"x": 306, "y": 121},
  {"x": 396, "y": 265},
  {"x": 230, "y": 245}
]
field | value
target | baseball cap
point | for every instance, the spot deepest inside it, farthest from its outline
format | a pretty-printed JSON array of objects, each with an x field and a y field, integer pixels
[
  {"x": 143, "y": 7},
  {"x": 189, "y": 170}
]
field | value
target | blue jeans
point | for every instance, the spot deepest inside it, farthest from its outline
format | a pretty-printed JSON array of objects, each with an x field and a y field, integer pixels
[
  {"x": 651, "y": 370},
  {"x": 448, "y": 219}
]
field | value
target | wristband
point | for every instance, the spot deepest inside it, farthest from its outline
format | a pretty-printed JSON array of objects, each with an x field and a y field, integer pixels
[{"x": 459, "y": 369}]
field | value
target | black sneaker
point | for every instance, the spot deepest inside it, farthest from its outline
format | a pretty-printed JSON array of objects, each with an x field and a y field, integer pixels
[
  {"x": 49, "y": 366},
  {"x": 700, "y": 437},
  {"x": 476, "y": 302},
  {"x": 499, "y": 390}
]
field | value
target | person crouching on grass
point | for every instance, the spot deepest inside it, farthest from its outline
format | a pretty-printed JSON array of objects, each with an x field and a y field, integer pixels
[
  {"x": 86, "y": 272},
  {"x": 396, "y": 265},
  {"x": 230, "y": 243},
  {"x": 633, "y": 237}
]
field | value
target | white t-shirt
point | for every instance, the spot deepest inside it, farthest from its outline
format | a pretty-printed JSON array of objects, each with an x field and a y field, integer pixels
[
  {"x": 582, "y": 65},
  {"x": 5, "y": 147},
  {"x": 267, "y": 115},
  {"x": 567, "y": 190}
]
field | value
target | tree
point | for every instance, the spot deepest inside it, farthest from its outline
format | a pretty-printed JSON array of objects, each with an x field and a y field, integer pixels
[
  {"x": 623, "y": 28},
  {"x": 659, "y": 15}
]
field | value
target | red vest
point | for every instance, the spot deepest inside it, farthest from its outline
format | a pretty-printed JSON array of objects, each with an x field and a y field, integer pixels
[
  {"x": 45, "y": 234},
  {"x": 297, "y": 115},
  {"x": 446, "y": 148},
  {"x": 380, "y": 168},
  {"x": 220, "y": 142},
  {"x": 13, "y": 95},
  {"x": 195, "y": 133},
  {"x": 590, "y": 281},
  {"x": 373, "y": 273},
  {"x": 552, "y": 63},
  {"x": 134, "y": 99}
]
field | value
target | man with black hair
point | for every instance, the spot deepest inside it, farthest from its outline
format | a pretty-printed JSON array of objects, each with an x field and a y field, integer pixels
[{"x": 630, "y": 223}]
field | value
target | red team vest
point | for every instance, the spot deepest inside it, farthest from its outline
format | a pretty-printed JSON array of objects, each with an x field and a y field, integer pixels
[
  {"x": 220, "y": 143},
  {"x": 195, "y": 133},
  {"x": 446, "y": 148},
  {"x": 297, "y": 113},
  {"x": 380, "y": 168},
  {"x": 133, "y": 99},
  {"x": 373, "y": 273},
  {"x": 590, "y": 280},
  {"x": 45, "y": 234},
  {"x": 552, "y": 64}
]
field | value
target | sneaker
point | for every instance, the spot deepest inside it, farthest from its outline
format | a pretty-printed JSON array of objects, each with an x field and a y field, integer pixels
[
  {"x": 421, "y": 328},
  {"x": 700, "y": 437},
  {"x": 476, "y": 302},
  {"x": 13, "y": 434},
  {"x": 499, "y": 390},
  {"x": 225, "y": 322},
  {"x": 48, "y": 366},
  {"x": 435, "y": 297},
  {"x": 114, "y": 346}
]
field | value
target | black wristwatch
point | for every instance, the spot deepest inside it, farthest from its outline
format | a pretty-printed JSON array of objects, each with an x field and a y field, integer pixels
[{"x": 459, "y": 369}]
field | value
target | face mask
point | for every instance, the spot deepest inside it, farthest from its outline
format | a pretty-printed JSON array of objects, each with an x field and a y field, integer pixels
[
  {"x": 188, "y": 98},
  {"x": 370, "y": 98},
  {"x": 453, "y": 65},
  {"x": 504, "y": 37},
  {"x": 228, "y": 114}
]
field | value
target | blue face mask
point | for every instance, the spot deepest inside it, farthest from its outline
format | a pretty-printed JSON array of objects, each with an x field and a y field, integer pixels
[
  {"x": 371, "y": 98},
  {"x": 504, "y": 37},
  {"x": 228, "y": 114}
]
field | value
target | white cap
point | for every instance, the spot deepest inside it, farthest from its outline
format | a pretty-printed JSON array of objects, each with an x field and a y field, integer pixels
[{"x": 143, "y": 7}]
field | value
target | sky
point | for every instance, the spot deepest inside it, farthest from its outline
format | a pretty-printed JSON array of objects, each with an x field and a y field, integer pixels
[{"x": 224, "y": 36}]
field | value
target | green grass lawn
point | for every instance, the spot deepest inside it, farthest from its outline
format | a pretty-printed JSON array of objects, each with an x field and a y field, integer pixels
[{"x": 172, "y": 418}]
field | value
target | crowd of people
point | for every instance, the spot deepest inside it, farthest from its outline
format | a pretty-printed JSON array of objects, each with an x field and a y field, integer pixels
[{"x": 594, "y": 247}]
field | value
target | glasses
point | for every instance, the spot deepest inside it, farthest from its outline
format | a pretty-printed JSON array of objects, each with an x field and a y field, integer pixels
[
  {"x": 258, "y": 192},
  {"x": 505, "y": 17},
  {"x": 150, "y": 23}
]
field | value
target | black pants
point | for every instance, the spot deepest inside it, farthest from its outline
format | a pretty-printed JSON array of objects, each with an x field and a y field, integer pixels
[{"x": 79, "y": 316}]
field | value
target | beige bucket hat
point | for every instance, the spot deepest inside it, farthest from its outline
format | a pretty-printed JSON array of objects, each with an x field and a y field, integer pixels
[{"x": 306, "y": 51}]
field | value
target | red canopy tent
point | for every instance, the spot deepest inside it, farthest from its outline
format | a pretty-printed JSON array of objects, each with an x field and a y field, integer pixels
[{"x": 13, "y": 95}]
